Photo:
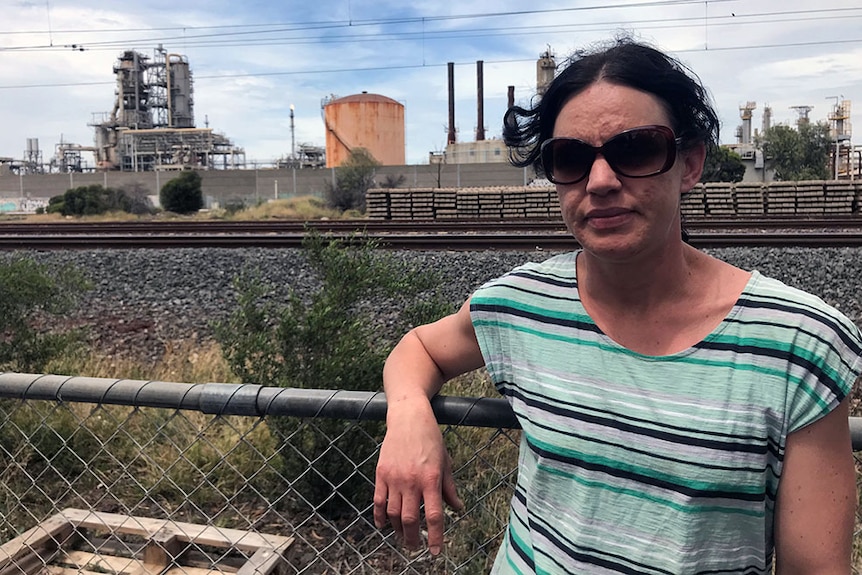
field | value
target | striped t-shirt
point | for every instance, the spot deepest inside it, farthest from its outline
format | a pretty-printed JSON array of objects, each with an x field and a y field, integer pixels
[{"x": 640, "y": 464}]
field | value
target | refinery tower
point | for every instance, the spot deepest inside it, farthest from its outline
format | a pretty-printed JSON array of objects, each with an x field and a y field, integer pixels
[{"x": 152, "y": 123}]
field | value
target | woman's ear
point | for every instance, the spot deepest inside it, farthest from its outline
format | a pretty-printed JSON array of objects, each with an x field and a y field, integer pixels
[{"x": 693, "y": 159}]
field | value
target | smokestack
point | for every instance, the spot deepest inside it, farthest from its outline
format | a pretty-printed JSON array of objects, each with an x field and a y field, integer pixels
[
  {"x": 451, "y": 138},
  {"x": 511, "y": 101},
  {"x": 480, "y": 126}
]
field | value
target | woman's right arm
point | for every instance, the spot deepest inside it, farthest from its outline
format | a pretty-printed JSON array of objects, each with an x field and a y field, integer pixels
[{"x": 414, "y": 466}]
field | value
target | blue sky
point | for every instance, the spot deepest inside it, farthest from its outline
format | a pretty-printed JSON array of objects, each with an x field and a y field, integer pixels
[{"x": 252, "y": 60}]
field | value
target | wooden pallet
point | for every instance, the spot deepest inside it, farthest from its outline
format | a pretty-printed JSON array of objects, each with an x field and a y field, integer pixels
[{"x": 54, "y": 547}]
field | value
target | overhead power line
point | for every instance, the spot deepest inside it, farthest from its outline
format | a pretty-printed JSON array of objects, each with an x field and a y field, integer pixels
[
  {"x": 299, "y": 34},
  {"x": 318, "y": 71},
  {"x": 380, "y": 21}
]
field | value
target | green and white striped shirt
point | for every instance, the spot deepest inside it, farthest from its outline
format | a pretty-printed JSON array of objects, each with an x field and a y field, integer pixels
[{"x": 640, "y": 464}]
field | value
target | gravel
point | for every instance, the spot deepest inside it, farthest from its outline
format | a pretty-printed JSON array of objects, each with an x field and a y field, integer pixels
[{"x": 143, "y": 299}]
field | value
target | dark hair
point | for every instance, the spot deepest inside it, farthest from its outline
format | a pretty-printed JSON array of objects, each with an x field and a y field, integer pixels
[{"x": 626, "y": 63}]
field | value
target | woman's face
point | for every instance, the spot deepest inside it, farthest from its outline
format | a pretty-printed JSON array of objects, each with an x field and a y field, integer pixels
[{"x": 613, "y": 216}]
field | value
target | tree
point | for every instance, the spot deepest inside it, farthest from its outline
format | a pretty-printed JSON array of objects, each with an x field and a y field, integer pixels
[
  {"x": 799, "y": 154},
  {"x": 722, "y": 165},
  {"x": 183, "y": 194},
  {"x": 353, "y": 178}
]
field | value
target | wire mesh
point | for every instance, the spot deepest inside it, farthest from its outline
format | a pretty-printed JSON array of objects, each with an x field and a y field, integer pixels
[
  {"x": 221, "y": 487},
  {"x": 305, "y": 478}
]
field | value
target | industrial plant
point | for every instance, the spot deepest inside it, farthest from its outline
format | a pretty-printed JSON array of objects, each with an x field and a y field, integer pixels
[
  {"x": 845, "y": 160},
  {"x": 152, "y": 124},
  {"x": 151, "y": 127}
]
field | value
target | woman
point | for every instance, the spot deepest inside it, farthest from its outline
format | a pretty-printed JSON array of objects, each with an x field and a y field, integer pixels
[{"x": 679, "y": 415}]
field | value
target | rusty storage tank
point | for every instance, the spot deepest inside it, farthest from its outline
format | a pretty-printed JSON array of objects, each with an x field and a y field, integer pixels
[{"x": 369, "y": 121}]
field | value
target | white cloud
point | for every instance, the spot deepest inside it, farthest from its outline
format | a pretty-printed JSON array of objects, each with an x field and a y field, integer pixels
[{"x": 769, "y": 52}]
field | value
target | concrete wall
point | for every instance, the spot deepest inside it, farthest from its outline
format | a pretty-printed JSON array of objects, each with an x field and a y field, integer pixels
[
  {"x": 251, "y": 186},
  {"x": 443, "y": 191}
]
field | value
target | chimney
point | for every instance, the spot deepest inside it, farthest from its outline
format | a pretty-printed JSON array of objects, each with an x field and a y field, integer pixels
[
  {"x": 451, "y": 138},
  {"x": 480, "y": 122},
  {"x": 511, "y": 101}
]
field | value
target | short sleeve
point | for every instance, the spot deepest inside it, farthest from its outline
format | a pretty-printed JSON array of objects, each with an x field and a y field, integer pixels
[{"x": 825, "y": 361}]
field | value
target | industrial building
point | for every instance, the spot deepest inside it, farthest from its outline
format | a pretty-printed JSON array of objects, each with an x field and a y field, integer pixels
[
  {"x": 481, "y": 150},
  {"x": 150, "y": 127},
  {"x": 152, "y": 123},
  {"x": 845, "y": 160}
]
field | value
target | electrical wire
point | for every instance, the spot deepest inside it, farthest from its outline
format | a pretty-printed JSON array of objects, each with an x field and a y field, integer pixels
[
  {"x": 231, "y": 40},
  {"x": 224, "y": 38}
]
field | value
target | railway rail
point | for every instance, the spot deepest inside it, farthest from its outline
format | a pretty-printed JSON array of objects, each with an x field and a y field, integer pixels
[{"x": 454, "y": 235}]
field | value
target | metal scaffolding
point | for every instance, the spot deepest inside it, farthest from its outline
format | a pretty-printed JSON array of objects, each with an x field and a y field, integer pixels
[{"x": 152, "y": 126}]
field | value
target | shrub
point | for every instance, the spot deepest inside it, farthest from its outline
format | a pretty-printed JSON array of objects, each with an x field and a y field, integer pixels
[
  {"x": 182, "y": 195},
  {"x": 29, "y": 291},
  {"x": 329, "y": 340},
  {"x": 139, "y": 202},
  {"x": 234, "y": 206},
  {"x": 89, "y": 200},
  {"x": 391, "y": 181},
  {"x": 353, "y": 178}
]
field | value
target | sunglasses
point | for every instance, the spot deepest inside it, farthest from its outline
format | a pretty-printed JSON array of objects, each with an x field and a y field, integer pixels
[{"x": 636, "y": 153}]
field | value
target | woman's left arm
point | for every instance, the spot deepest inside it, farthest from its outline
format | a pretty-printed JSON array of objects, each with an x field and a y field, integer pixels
[{"x": 816, "y": 502}]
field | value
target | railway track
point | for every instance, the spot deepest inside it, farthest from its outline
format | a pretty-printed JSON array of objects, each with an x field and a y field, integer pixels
[{"x": 454, "y": 235}]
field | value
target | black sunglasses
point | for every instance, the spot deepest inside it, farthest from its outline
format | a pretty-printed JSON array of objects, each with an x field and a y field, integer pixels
[{"x": 636, "y": 153}]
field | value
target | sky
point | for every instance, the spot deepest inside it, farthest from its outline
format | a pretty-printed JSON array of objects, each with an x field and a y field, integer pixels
[{"x": 252, "y": 60}]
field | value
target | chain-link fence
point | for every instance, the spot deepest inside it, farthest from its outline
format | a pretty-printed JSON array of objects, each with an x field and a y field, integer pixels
[{"x": 135, "y": 477}]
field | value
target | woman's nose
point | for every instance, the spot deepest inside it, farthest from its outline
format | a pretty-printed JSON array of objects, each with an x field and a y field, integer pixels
[{"x": 602, "y": 178}]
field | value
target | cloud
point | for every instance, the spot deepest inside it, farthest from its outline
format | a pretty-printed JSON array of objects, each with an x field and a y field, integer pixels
[{"x": 252, "y": 60}]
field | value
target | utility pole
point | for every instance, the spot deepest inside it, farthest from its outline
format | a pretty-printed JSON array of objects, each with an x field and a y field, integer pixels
[{"x": 292, "y": 137}]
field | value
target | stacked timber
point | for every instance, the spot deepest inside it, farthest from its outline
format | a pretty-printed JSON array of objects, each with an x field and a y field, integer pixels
[
  {"x": 781, "y": 198},
  {"x": 722, "y": 200},
  {"x": 422, "y": 204},
  {"x": 693, "y": 203},
  {"x": 538, "y": 202},
  {"x": 490, "y": 203},
  {"x": 809, "y": 198},
  {"x": 377, "y": 204},
  {"x": 838, "y": 197},
  {"x": 748, "y": 199},
  {"x": 400, "y": 205},
  {"x": 467, "y": 203},
  {"x": 514, "y": 203},
  {"x": 718, "y": 199},
  {"x": 445, "y": 203}
]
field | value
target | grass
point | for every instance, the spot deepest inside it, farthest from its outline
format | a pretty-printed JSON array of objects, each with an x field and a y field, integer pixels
[
  {"x": 302, "y": 208},
  {"x": 204, "y": 469},
  {"x": 299, "y": 208},
  {"x": 221, "y": 470}
]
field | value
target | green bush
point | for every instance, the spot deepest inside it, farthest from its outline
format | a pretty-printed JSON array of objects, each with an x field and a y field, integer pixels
[
  {"x": 182, "y": 195},
  {"x": 32, "y": 295},
  {"x": 353, "y": 178},
  {"x": 89, "y": 200},
  {"x": 30, "y": 292},
  {"x": 330, "y": 340}
]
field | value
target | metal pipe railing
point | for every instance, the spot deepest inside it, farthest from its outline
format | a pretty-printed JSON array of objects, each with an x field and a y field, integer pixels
[{"x": 258, "y": 400}]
